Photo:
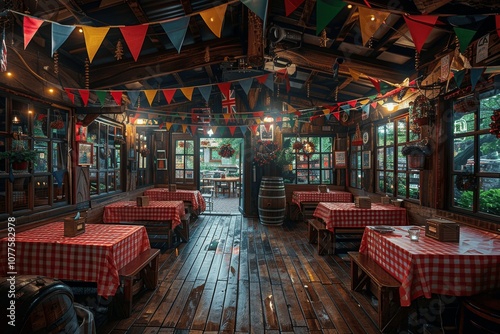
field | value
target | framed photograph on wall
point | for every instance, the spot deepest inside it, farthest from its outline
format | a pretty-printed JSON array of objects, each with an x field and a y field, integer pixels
[
  {"x": 340, "y": 159},
  {"x": 85, "y": 151},
  {"x": 266, "y": 134},
  {"x": 366, "y": 159}
]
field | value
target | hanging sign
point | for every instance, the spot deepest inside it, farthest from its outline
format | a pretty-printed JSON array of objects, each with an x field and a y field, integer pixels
[{"x": 482, "y": 48}]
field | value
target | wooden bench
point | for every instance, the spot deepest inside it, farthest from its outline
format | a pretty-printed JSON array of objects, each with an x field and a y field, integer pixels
[
  {"x": 320, "y": 235},
  {"x": 307, "y": 210},
  {"x": 138, "y": 273},
  {"x": 366, "y": 272}
]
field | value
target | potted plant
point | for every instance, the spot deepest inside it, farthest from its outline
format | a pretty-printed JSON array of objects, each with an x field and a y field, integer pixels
[
  {"x": 20, "y": 158},
  {"x": 416, "y": 153}
]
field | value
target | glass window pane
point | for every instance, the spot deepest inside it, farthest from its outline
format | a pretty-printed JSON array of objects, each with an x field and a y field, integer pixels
[
  {"x": 58, "y": 124},
  {"x": 189, "y": 162},
  {"x": 189, "y": 147},
  {"x": 463, "y": 157},
  {"x": 401, "y": 159},
  {"x": 414, "y": 185},
  {"x": 402, "y": 185},
  {"x": 40, "y": 123},
  {"x": 489, "y": 195},
  {"x": 402, "y": 131},
  {"x": 390, "y": 157},
  {"x": 41, "y": 190},
  {"x": 41, "y": 161},
  {"x": 380, "y": 183},
  {"x": 389, "y": 134},
  {"x": 381, "y": 135},
  {"x": 462, "y": 198},
  {"x": 380, "y": 158},
  {"x": 489, "y": 154},
  {"x": 389, "y": 182}
]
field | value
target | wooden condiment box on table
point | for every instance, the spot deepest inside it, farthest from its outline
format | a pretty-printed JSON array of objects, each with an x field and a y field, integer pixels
[{"x": 442, "y": 230}]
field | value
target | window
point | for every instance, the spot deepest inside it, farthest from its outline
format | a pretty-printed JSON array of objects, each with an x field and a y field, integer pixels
[
  {"x": 356, "y": 167},
  {"x": 43, "y": 181},
  {"x": 315, "y": 168},
  {"x": 184, "y": 161},
  {"x": 475, "y": 171},
  {"x": 393, "y": 177},
  {"x": 105, "y": 170}
]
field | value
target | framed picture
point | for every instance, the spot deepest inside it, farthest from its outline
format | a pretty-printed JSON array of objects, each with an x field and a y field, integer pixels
[
  {"x": 366, "y": 159},
  {"x": 131, "y": 154},
  {"x": 80, "y": 132},
  {"x": 85, "y": 151},
  {"x": 189, "y": 174},
  {"x": 340, "y": 159},
  {"x": 266, "y": 134}
]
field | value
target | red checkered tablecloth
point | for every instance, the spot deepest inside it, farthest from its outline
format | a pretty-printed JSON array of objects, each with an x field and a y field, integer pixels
[
  {"x": 346, "y": 215},
  {"x": 430, "y": 266},
  {"x": 193, "y": 196},
  {"x": 128, "y": 211},
  {"x": 316, "y": 196},
  {"x": 94, "y": 256}
]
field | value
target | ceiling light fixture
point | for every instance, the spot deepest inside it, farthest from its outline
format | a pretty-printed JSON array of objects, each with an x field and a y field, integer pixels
[{"x": 390, "y": 104}]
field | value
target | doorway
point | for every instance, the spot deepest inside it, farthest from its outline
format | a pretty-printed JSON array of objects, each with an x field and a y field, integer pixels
[{"x": 221, "y": 173}]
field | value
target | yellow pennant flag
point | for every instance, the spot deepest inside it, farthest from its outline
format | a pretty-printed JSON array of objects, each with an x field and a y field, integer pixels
[
  {"x": 214, "y": 18},
  {"x": 150, "y": 95},
  {"x": 369, "y": 21},
  {"x": 184, "y": 128},
  {"x": 188, "y": 92},
  {"x": 363, "y": 102},
  {"x": 168, "y": 125},
  {"x": 93, "y": 39},
  {"x": 354, "y": 74}
]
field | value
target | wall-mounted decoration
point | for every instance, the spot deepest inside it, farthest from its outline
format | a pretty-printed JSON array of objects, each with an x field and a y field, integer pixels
[
  {"x": 340, "y": 159},
  {"x": 85, "y": 152},
  {"x": 80, "y": 132},
  {"x": 267, "y": 134}
]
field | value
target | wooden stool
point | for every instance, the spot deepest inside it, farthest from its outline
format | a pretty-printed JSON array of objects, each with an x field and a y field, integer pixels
[
  {"x": 319, "y": 234},
  {"x": 481, "y": 313}
]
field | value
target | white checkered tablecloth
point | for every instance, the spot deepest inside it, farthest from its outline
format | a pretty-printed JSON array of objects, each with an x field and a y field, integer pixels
[
  {"x": 94, "y": 256},
  {"x": 193, "y": 196},
  {"x": 315, "y": 196},
  {"x": 346, "y": 215},
  {"x": 431, "y": 267},
  {"x": 128, "y": 211}
]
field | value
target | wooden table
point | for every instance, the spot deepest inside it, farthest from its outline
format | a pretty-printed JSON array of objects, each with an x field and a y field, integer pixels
[
  {"x": 429, "y": 266},
  {"x": 94, "y": 256},
  {"x": 231, "y": 180},
  {"x": 193, "y": 196}
]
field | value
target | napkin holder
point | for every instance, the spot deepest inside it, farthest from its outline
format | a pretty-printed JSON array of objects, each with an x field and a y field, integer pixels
[
  {"x": 142, "y": 201},
  {"x": 74, "y": 227},
  {"x": 363, "y": 202},
  {"x": 322, "y": 189},
  {"x": 172, "y": 188},
  {"x": 442, "y": 230}
]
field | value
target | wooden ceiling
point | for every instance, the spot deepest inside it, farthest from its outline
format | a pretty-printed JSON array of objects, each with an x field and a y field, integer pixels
[{"x": 206, "y": 59}]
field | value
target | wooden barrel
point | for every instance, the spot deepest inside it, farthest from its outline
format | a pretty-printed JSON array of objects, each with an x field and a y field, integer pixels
[
  {"x": 272, "y": 201},
  {"x": 41, "y": 305}
]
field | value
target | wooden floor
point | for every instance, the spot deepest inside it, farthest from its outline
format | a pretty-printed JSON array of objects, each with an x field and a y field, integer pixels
[{"x": 238, "y": 276}]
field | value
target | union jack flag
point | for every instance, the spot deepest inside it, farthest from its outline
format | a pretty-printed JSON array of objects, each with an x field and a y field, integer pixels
[
  {"x": 229, "y": 104},
  {"x": 3, "y": 54}
]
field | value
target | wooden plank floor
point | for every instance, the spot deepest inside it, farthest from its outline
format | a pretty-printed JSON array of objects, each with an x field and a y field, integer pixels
[{"x": 238, "y": 276}]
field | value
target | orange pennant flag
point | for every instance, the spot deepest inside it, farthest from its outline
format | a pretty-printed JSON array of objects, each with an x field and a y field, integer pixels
[
  {"x": 188, "y": 92},
  {"x": 214, "y": 18},
  {"x": 30, "y": 27},
  {"x": 354, "y": 74},
  {"x": 184, "y": 128},
  {"x": 134, "y": 37},
  {"x": 369, "y": 22},
  {"x": 93, "y": 39},
  {"x": 168, "y": 125},
  {"x": 150, "y": 95}
]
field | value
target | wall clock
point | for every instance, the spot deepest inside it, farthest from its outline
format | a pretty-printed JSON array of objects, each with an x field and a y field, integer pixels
[
  {"x": 345, "y": 117},
  {"x": 366, "y": 137}
]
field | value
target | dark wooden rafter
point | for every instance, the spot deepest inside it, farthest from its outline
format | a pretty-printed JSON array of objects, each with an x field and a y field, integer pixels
[
  {"x": 192, "y": 57},
  {"x": 309, "y": 7},
  {"x": 193, "y": 26},
  {"x": 141, "y": 16}
]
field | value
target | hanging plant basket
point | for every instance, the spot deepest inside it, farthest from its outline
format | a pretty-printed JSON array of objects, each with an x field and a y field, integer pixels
[
  {"x": 308, "y": 149},
  {"x": 226, "y": 151},
  {"x": 416, "y": 161}
]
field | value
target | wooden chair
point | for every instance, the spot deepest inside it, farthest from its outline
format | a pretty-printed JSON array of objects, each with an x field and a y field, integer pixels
[{"x": 207, "y": 192}]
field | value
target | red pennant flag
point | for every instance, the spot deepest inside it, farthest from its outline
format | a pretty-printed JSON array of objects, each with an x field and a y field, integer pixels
[
  {"x": 263, "y": 78},
  {"x": 497, "y": 20},
  {"x": 224, "y": 88},
  {"x": 292, "y": 5},
  {"x": 420, "y": 27},
  {"x": 84, "y": 93},
  {"x": 352, "y": 103},
  {"x": 254, "y": 128},
  {"x": 194, "y": 128},
  {"x": 134, "y": 37},
  {"x": 117, "y": 96},
  {"x": 258, "y": 114},
  {"x": 337, "y": 115},
  {"x": 376, "y": 83},
  {"x": 374, "y": 104},
  {"x": 30, "y": 26},
  {"x": 231, "y": 130},
  {"x": 169, "y": 94},
  {"x": 70, "y": 95}
]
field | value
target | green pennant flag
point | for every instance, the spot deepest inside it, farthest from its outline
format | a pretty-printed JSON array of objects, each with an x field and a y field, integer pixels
[
  {"x": 464, "y": 36},
  {"x": 385, "y": 87},
  {"x": 326, "y": 10},
  {"x": 101, "y": 95}
]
